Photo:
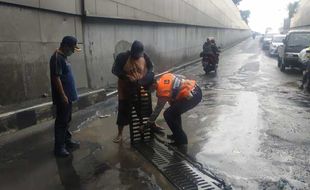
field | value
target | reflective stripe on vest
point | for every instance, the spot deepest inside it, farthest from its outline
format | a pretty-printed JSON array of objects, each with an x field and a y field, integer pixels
[
  {"x": 176, "y": 87},
  {"x": 172, "y": 87},
  {"x": 164, "y": 85},
  {"x": 186, "y": 89}
]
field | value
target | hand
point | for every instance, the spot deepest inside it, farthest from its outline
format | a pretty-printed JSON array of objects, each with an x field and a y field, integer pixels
[
  {"x": 131, "y": 78},
  {"x": 142, "y": 128},
  {"x": 147, "y": 125},
  {"x": 65, "y": 99}
]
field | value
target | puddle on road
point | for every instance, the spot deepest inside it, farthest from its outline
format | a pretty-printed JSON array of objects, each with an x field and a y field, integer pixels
[
  {"x": 231, "y": 142},
  {"x": 102, "y": 164}
]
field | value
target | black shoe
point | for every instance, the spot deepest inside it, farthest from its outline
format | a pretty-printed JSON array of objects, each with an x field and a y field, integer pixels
[
  {"x": 177, "y": 144},
  {"x": 171, "y": 137},
  {"x": 61, "y": 152},
  {"x": 71, "y": 144}
]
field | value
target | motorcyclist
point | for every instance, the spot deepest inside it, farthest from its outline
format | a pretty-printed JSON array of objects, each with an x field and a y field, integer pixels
[
  {"x": 209, "y": 51},
  {"x": 304, "y": 58},
  {"x": 215, "y": 50}
]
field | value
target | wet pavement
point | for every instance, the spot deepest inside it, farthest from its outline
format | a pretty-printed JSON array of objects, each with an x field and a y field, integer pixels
[
  {"x": 252, "y": 129},
  {"x": 27, "y": 161},
  {"x": 253, "y": 126}
]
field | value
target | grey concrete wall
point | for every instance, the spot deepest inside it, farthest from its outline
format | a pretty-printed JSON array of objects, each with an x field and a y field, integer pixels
[
  {"x": 212, "y": 13},
  {"x": 301, "y": 18},
  {"x": 167, "y": 45},
  {"x": 173, "y": 32},
  {"x": 28, "y": 37},
  {"x": 65, "y": 6}
]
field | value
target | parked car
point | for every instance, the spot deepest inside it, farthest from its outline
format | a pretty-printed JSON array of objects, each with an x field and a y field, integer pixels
[
  {"x": 294, "y": 42},
  {"x": 267, "y": 40},
  {"x": 277, "y": 40},
  {"x": 261, "y": 39}
]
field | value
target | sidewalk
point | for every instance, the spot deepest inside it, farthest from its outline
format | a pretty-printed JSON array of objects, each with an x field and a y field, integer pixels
[
  {"x": 27, "y": 114},
  {"x": 27, "y": 161}
]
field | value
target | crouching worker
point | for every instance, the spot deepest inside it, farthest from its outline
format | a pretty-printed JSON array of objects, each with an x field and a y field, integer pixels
[{"x": 182, "y": 95}]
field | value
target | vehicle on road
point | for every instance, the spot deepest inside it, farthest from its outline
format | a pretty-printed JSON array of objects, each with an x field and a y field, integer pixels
[
  {"x": 267, "y": 40},
  {"x": 306, "y": 76},
  {"x": 277, "y": 40},
  {"x": 294, "y": 42},
  {"x": 304, "y": 58},
  {"x": 209, "y": 64}
]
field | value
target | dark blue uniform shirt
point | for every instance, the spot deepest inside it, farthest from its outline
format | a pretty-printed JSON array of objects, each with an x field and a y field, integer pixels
[{"x": 59, "y": 66}]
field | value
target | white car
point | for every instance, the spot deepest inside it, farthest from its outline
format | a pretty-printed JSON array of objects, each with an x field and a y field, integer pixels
[
  {"x": 266, "y": 41},
  {"x": 276, "y": 41}
]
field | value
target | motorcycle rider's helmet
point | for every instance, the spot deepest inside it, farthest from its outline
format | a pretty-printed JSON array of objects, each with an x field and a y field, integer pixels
[{"x": 212, "y": 39}]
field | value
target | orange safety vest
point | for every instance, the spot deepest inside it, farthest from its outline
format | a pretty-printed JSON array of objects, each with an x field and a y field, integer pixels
[{"x": 174, "y": 88}]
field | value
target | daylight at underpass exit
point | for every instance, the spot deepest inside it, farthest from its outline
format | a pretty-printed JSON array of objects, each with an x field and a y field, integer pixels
[{"x": 155, "y": 94}]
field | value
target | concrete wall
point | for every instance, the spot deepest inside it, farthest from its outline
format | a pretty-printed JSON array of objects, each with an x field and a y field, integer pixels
[
  {"x": 28, "y": 37},
  {"x": 212, "y": 13},
  {"x": 301, "y": 18},
  {"x": 167, "y": 45},
  {"x": 171, "y": 37},
  {"x": 64, "y": 6}
]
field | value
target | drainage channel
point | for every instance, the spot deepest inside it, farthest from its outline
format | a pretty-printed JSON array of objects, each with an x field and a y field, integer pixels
[
  {"x": 175, "y": 166},
  {"x": 178, "y": 170}
]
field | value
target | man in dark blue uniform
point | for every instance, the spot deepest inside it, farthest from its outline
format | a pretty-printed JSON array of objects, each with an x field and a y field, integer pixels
[{"x": 63, "y": 94}]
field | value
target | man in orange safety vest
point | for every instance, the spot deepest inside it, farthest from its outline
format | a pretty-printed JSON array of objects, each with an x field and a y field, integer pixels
[{"x": 182, "y": 95}]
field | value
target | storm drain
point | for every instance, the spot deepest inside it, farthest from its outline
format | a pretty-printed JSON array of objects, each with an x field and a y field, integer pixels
[
  {"x": 179, "y": 171},
  {"x": 174, "y": 166},
  {"x": 141, "y": 108}
]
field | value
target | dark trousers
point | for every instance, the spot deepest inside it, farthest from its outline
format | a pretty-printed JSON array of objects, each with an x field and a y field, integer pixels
[
  {"x": 63, "y": 118},
  {"x": 173, "y": 114},
  {"x": 305, "y": 77},
  {"x": 123, "y": 114},
  {"x": 125, "y": 106}
]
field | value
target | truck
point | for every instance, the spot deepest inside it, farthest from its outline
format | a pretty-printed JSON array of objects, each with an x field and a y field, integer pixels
[{"x": 294, "y": 42}]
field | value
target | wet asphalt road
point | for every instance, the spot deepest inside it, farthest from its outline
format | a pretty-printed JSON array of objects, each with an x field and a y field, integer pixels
[
  {"x": 253, "y": 126},
  {"x": 252, "y": 129}
]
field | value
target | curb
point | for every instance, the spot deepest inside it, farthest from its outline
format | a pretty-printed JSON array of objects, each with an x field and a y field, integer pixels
[
  {"x": 23, "y": 118},
  {"x": 26, "y": 117},
  {"x": 19, "y": 119}
]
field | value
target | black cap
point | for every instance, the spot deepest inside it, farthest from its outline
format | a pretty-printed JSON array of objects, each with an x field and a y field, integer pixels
[
  {"x": 71, "y": 42},
  {"x": 137, "y": 49}
]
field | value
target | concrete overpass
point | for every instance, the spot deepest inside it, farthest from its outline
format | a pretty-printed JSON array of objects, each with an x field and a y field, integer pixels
[
  {"x": 173, "y": 32},
  {"x": 301, "y": 18}
]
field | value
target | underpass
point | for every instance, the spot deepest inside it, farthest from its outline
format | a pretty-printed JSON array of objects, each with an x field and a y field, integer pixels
[{"x": 250, "y": 131}]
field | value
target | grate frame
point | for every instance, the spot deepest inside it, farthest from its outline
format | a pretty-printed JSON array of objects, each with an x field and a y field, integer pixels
[
  {"x": 178, "y": 170},
  {"x": 182, "y": 173},
  {"x": 141, "y": 109}
]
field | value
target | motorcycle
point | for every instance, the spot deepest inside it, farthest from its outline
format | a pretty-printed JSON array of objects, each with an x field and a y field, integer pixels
[
  {"x": 306, "y": 77},
  {"x": 209, "y": 63}
]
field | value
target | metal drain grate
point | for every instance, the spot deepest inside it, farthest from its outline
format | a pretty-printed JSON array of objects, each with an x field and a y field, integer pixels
[
  {"x": 175, "y": 167},
  {"x": 141, "y": 109},
  {"x": 179, "y": 171}
]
